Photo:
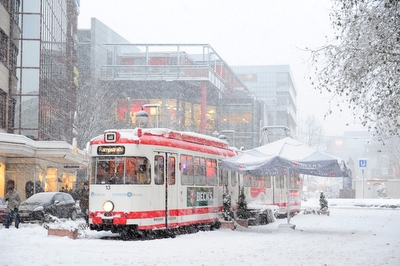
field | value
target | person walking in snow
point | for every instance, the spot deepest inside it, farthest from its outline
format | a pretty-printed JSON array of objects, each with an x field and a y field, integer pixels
[
  {"x": 13, "y": 200},
  {"x": 84, "y": 201}
]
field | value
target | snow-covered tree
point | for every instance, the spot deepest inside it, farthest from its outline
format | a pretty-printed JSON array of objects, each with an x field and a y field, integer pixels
[
  {"x": 227, "y": 212},
  {"x": 94, "y": 110},
  {"x": 323, "y": 203},
  {"x": 242, "y": 212},
  {"x": 361, "y": 64},
  {"x": 311, "y": 132}
]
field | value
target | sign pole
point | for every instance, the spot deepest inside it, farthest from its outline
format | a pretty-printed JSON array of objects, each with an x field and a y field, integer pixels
[
  {"x": 363, "y": 183},
  {"x": 288, "y": 196},
  {"x": 362, "y": 163}
]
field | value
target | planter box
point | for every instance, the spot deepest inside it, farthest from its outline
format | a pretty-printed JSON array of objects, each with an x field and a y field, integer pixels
[
  {"x": 243, "y": 222},
  {"x": 309, "y": 211},
  {"x": 324, "y": 213},
  {"x": 228, "y": 225},
  {"x": 63, "y": 232}
]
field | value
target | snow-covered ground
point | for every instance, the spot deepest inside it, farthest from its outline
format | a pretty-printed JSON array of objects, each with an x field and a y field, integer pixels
[{"x": 351, "y": 235}]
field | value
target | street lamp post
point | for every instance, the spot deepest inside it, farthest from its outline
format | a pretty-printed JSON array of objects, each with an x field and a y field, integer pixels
[
  {"x": 233, "y": 132},
  {"x": 142, "y": 117},
  {"x": 157, "y": 106}
]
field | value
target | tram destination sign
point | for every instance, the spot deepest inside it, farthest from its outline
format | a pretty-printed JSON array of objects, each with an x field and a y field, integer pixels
[{"x": 111, "y": 150}]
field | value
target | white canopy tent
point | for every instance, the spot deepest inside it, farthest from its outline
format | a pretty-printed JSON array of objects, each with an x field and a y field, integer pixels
[{"x": 284, "y": 157}]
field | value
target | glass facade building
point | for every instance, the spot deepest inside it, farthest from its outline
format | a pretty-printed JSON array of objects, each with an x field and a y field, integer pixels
[
  {"x": 185, "y": 87},
  {"x": 38, "y": 95},
  {"x": 275, "y": 86},
  {"x": 45, "y": 96}
]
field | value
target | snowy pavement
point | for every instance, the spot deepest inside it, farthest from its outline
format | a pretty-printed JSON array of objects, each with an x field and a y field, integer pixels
[{"x": 351, "y": 235}]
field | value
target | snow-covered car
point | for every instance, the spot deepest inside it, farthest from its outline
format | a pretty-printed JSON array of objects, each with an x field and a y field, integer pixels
[
  {"x": 58, "y": 204},
  {"x": 3, "y": 206}
]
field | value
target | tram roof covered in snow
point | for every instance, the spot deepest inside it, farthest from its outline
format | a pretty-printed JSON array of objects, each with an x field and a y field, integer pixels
[{"x": 166, "y": 137}]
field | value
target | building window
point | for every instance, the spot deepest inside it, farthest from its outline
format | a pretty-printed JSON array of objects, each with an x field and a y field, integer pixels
[
  {"x": 16, "y": 5},
  {"x": 3, "y": 98},
  {"x": 3, "y": 47},
  {"x": 11, "y": 112},
  {"x": 14, "y": 55},
  {"x": 247, "y": 77}
]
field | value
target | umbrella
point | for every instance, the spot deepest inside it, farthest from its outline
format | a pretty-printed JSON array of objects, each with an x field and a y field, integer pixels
[{"x": 276, "y": 158}]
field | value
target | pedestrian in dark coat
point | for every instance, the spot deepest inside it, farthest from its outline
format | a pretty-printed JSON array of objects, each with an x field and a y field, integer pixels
[
  {"x": 13, "y": 200},
  {"x": 29, "y": 189},
  {"x": 84, "y": 201}
]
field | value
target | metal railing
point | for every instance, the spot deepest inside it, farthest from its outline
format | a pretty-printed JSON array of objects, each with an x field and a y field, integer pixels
[{"x": 163, "y": 72}]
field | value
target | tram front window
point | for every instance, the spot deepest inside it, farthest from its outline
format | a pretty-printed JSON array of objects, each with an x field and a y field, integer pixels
[{"x": 121, "y": 170}]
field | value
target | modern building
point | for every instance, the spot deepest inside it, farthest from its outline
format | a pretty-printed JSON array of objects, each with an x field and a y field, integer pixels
[
  {"x": 38, "y": 94},
  {"x": 185, "y": 87},
  {"x": 45, "y": 96},
  {"x": 274, "y": 85}
]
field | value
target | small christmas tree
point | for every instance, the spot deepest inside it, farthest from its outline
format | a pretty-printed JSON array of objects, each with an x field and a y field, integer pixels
[
  {"x": 242, "y": 212},
  {"x": 227, "y": 212},
  {"x": 323, "y": 203}
]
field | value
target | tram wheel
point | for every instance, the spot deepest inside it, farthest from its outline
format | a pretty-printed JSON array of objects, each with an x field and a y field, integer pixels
[{"x": 128, "y": 234}]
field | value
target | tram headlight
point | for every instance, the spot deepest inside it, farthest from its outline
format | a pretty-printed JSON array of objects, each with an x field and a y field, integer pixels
[{"x": 108, "y": 206}]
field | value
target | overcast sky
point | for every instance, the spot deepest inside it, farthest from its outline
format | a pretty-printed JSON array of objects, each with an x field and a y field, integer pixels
[{"x": 254, "y": 32}]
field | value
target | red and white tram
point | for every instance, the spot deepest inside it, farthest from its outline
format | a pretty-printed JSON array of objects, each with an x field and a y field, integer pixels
[{"x": 142, "y": 180}]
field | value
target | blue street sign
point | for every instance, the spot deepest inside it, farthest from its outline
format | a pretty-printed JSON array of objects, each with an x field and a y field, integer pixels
[{"x": 362, "y": 163}]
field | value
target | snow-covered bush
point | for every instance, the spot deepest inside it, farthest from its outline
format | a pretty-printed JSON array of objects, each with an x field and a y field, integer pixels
[
  {"x": 242, "y": 212},
  {"x": 227, "y": 212}
]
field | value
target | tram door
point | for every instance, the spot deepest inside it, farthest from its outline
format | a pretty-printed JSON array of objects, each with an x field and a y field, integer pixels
[{"x": 171, "y": 198}]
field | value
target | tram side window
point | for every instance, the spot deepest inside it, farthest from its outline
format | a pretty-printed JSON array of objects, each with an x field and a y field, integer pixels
[
  {"x": 279, "y": 181},
  {"x": 267, "y": 181},
  {"x": 255, "y": 181},
  {"x": 118, "y": 176},
  {"x": 234, "y": 178},
  {"x": 143, "y": 171},
  {"x": 247, "y": 180},
  {"x": 223, "y": 177},
  {"x": 171, "y": 171},
  {"x": 211, "y": 172},
  {"x": 130, "y": 170},
  {"x": 294, "y": 182},
  {"x": 187, "y": 169},
  {"x": 159, "y": 170},
  {"x": 200, "y": 171},
  {"x": 103, "y": 172},
  {"x": 123, "y": 170}
]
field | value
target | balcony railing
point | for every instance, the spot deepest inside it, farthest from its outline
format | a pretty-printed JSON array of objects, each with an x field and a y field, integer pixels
[{"x": 163, "y": 72}]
